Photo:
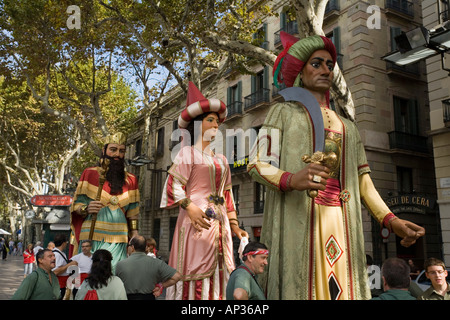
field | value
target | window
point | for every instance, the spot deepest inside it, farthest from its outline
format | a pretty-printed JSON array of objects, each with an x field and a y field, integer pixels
[
  {"x": 260, "y": 87},
  {"x": 395, "y": 31},
  {"x": 446, "y": 110},
  {"x": 174, "y": 128},
  {"x": 444, "y": 11},
  {"x": 234, "y": 99},
  {"x": 138, "y": 148},
  {"x": 172, "y": 225},
  {"x": 404, "y": 180},
  {"x": 405, "y": 114},
  {"x": 158, "y": 183},
  {"x": 335, "y": 37},
  {"x": 157, "y": 231},
  {"x": 160, "y": 144},
  {"x": 236, "y": 197},
  {"x": 287, "y": 22},
  {"x": 260, "y": 191},
  {"x": 260, "y": 37}
]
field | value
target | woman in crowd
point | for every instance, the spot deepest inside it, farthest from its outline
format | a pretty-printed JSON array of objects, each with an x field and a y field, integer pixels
[
  {"x": 28, "y": 260},
  {"x": 101, "y": 283}
]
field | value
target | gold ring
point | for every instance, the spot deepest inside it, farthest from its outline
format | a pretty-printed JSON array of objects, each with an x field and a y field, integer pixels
[{"x": 316, "y": 178}]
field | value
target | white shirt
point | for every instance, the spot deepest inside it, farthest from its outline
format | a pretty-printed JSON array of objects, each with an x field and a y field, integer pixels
[
  {"x": 84, "y": 262},
  {"x": 60, "y": 261},
  {"x": 36, "y": 249}
]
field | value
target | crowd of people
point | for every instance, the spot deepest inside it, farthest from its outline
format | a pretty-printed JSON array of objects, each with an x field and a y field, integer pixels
[
  {"x": 143, "y": 276},
  {"x": 140, "y": 276},
  {"x": 312, "y": 207}
]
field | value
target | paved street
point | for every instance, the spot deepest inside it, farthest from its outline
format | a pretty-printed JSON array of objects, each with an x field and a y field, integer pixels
[{"x": 11, "y": 276}]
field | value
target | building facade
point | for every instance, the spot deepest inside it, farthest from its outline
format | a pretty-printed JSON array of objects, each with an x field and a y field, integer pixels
[
  {"x": 436, "y": 13},
  {"x": 392, "y": 114}
]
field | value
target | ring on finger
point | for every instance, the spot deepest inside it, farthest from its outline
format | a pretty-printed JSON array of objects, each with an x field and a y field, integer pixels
[{"x": 316, "y": 178}]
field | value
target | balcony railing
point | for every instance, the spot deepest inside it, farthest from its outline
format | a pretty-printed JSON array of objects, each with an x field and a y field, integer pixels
[
  {"x": 258, "y": 97},
  {"x": 402, "y": 6},
  {"x": 407, "y": 141},
  {"x": 234, "y": 108}
]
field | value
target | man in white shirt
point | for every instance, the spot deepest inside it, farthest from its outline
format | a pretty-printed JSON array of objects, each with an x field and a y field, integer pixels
[{"x": 84, "y": 260}]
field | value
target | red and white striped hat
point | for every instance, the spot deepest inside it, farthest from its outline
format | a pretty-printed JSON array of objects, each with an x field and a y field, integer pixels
[{"x": 197, "y": 104}]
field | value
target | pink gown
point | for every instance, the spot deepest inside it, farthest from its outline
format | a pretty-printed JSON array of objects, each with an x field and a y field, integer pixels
[{"x": 204, "y": 259}]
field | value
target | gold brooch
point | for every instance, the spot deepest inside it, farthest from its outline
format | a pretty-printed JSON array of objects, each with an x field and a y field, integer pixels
[{"x": 114, "y": 200}]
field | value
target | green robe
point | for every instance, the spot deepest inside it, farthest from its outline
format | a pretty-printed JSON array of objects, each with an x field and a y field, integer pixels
[{"x": 288, "y": 225}]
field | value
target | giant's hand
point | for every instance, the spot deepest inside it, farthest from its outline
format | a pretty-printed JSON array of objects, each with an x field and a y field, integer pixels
[
  {"x": 303, "y": 179},
  {"x": 238, "y": 231},
  {"x": 408, "y": 231},
  {"x": 94, "y": 207},
  {"x": 198, "y": 217}
]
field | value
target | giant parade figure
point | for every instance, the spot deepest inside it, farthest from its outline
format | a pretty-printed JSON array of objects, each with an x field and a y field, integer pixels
[
  {"x": 105, "y": 208},
  {"x": 314, "y": 163},
  {"x": 199, "y": 183}
]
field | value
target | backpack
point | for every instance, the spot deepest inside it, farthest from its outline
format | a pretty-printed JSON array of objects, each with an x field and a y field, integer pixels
[{"x": 91, "y": 295}]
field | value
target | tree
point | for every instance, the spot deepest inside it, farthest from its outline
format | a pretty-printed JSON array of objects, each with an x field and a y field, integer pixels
[
  {"x": 59, "y": 94},
  {"x": 76, "y": 64},
  {"x": 197, "y": 39}
]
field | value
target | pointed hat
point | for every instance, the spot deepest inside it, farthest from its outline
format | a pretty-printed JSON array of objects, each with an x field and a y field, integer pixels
[{"x": 197, "y": 104}]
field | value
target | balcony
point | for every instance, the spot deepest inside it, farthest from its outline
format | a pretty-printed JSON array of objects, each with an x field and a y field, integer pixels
[
  {"x": 410, "y": 71},
  {"x": 258, "y": 98},
  {"x": 407, "y": 141},
  {"x": 401, "y": 8},
  {"x": 234, "y": 109}
]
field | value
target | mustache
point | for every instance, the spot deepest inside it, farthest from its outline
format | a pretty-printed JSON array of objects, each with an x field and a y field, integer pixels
[{"x": 114, "y": 161}]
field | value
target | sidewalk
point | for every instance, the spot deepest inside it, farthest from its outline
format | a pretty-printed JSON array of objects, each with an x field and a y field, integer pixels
[{"x": 11, "y": 276}]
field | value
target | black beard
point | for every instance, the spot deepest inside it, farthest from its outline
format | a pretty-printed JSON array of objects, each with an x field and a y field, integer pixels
[{"x": 115, "y": 174}]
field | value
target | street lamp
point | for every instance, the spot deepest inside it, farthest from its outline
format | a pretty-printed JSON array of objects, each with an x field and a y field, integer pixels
[
  {"x": 138, "y": 161},
  {"x": 413, "y": 39},
  {"x": 419, "y": 44}
]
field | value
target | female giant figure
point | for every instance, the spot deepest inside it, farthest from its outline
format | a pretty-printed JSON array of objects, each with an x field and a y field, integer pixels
[{"x": 199, "y": 182}]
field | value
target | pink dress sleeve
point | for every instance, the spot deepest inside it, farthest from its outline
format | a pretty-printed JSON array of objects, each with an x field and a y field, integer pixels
[
  {"x": 229, "y": 201},
  {"x": 175, "y": 186}
]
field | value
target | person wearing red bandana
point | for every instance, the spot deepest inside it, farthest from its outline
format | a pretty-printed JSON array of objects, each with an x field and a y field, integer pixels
[
  {"x": 243, "y": 284},
  {"x": 117, "y": 210},
  {"x": 199, "y": 183},
  {"x": 316, "y": 238}
]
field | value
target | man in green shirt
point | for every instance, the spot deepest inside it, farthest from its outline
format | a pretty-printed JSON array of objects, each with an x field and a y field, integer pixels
[
  {"x": 436, "y": 272},
  {"x": 144, "y": 277},
  {"x": 396, "y": 280},
  {"x": 41, "y": 284},
  {"x": 242, "y": 284}
]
